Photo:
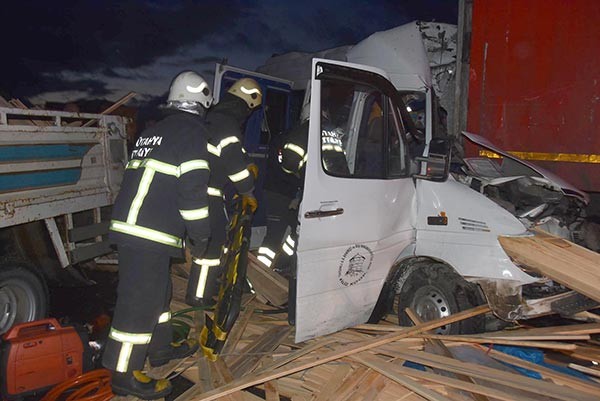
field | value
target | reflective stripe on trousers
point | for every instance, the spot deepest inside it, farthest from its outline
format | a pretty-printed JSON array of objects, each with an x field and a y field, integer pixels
[
  {"x": 288, "y": 245},
  {"x": 205, "y": 265},
  {"x": 127, "y": 340},
  {"x": 266, "y": 256}
]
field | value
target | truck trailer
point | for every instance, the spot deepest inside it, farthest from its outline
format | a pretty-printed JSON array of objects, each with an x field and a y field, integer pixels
[{"x": 60, "y": 172}]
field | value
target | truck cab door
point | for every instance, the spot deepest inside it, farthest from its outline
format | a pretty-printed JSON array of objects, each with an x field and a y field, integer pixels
[
  {"x": 263, "y": 127},
  {"x": 358, "y": 209}
]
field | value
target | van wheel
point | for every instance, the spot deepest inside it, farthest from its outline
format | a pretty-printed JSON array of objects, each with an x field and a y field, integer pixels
[
  {"x": 434, "y": 291},
  {"x": 23, "y": 295}
]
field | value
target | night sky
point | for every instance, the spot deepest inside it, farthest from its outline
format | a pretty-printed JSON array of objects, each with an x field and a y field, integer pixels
[{"x": 69, "y": 50}]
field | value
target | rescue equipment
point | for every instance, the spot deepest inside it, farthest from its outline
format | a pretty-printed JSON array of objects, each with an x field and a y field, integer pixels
[{"x": 227, "y": 308}]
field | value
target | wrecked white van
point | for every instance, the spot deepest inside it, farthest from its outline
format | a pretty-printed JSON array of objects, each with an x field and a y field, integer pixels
[{"x": 390, "y": 225}]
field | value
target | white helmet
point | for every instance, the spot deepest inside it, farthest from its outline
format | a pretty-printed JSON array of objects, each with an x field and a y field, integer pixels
[
  {"x": 189, "y": 90},
  {"x": 248, "y": 90}
]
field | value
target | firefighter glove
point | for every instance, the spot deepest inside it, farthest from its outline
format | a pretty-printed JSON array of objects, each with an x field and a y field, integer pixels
[
  {"x": 253, "y": 168},
  {"x": 249, "y": 201}
]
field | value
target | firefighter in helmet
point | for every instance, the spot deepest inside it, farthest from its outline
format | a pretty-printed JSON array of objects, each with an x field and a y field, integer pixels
[
  {"x": 229, "y": 164},
  {"x": 162, "y": 207}
]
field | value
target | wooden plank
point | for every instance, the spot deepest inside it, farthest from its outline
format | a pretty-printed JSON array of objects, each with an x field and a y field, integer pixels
[
  {"x": 266, "y": 282},
  {"x": 236, "y": 332},
  {"x": 494, "y": 375},
  {"x": 350, "y": 384},
  {"x": 405, "y": 381},
  {"x": 272, "y": 391},
  {"x": 87, "y": 252},
  {"x": 114, "y": 106},
  {"x": 366, "y": 389},
  {"x": 585, "y": 353},
  {"x": 587, "y": 316},
  {"x": 396, "y": 392},
  {"x": 334, "y": 384},
  {"x": 399, "y": 372},
  {"x": 517, "y": 343},
  {"x": 297, "y": 354},
  {"x": 223, "y": 376},
  {"x": 585, "y": 369},
  {"x": 370, "y": 392},
  {"x": 441, "y": 349},
  {"x": 574, "y": 329},
  {"x": 90, "y": 231},
  {"x": 344, "y": 351},
  {"x": 573, "y": 266},
  {"x": 252, "y": 354}
]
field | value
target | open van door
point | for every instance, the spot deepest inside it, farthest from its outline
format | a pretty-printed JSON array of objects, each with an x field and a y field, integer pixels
[
  {"x": 358, "y": 208},
  {"x": 263, "y": 128}
]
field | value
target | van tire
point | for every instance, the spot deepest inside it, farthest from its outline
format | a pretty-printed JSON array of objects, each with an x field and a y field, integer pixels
[
  {"x": 434, "y": 291},
  {"x": 23, "y": 294}
]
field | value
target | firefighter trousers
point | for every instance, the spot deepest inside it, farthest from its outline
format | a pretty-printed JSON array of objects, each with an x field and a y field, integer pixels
[
  {"x": 141, "y": 323},
  {"x": 203, "y": 284}
]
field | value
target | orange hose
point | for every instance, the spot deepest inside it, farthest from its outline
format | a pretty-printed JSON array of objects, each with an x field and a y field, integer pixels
[{"x": 90, "y": 386}]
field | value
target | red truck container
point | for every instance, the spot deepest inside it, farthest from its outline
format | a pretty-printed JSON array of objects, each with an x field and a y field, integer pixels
[{"x": 534, "y": 83}]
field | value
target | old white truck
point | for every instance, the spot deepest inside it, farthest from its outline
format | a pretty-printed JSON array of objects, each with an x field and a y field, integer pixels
[{"x": 58, "y": 173}]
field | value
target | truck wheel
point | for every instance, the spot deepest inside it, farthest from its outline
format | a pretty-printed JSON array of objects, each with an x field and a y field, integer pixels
[
  {"x": 23, "y": 295},
  {"x": 433, "y": 292}
]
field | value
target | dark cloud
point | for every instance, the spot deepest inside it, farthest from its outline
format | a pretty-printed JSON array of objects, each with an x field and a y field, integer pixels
[
  {"x": 112, "y": 73},
  {"x": 57, "y": 83},
  {"x": 112, "y": 39},
  {"x": 206, "y": 60},
  {"x": 87, "y": 36}
]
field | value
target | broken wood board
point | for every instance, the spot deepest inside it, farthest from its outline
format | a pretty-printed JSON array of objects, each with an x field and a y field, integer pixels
[
  {"x": 328, "y": 368},
  {"x": 266, "y": 282},
  {"x": 341, "y": 352},
  {"x": 569, "y": 264},
  {"x": 440, "y": 348}
]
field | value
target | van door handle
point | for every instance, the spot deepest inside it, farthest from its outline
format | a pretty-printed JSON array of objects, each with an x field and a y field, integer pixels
[{"x": 323, "y": 213}]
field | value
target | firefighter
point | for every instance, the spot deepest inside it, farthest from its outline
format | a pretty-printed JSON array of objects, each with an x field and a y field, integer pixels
[
  {"x": 162, "y": 206},
  {"x": 292, "y": 159},
  {"x": 225, "y": 122},
  {"x": 282, "y": 242}
]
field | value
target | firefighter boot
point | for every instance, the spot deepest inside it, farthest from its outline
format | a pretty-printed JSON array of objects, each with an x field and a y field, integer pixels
[
  {"x": 174, "y": 351},
  {"x": 139, "y": 385}
]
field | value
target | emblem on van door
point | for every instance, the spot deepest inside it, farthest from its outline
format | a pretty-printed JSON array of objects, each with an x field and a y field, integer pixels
[{"x": 355, "y": 264}]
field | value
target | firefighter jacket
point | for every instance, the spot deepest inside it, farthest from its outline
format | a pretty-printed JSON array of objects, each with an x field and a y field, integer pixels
[
  {"x": 227, "y": 155},
  {"x": 293, "y": 154},
  {"x": 163, "y": 195}
]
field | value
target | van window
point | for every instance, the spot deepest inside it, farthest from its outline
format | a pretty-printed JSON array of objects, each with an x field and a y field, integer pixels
[{"x": 360, "y": 132}]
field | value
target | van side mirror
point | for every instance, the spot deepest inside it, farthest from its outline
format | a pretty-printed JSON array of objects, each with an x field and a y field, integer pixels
[{"x": 437, "y": 164}]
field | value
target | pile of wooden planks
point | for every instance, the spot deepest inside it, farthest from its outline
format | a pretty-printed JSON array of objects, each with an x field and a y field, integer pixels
[
  {"x": 572, "y": 265},
  {"x": 261, "y": 362},
  {"x": 382, "y": 362}
]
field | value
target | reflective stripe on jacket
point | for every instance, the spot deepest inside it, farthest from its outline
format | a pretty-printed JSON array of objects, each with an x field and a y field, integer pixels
[
  {"x": 163, "y": 196},
  {"x": 227, "y": 154}
]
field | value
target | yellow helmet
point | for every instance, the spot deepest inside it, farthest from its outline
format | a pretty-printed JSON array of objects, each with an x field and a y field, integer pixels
[{"x": 248, "y": 90}]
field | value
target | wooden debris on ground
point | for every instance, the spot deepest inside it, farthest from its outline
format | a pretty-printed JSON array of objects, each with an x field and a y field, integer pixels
[{"x": 262, "y": 362}]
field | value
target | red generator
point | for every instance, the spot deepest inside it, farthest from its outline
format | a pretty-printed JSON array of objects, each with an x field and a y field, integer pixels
[{"x": 38, "y": 355}]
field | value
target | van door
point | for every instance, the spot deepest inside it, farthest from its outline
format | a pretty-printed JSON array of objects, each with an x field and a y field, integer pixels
[
  {"x": 263, "y": 129},
  {"x": 358, "y": 208}
]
